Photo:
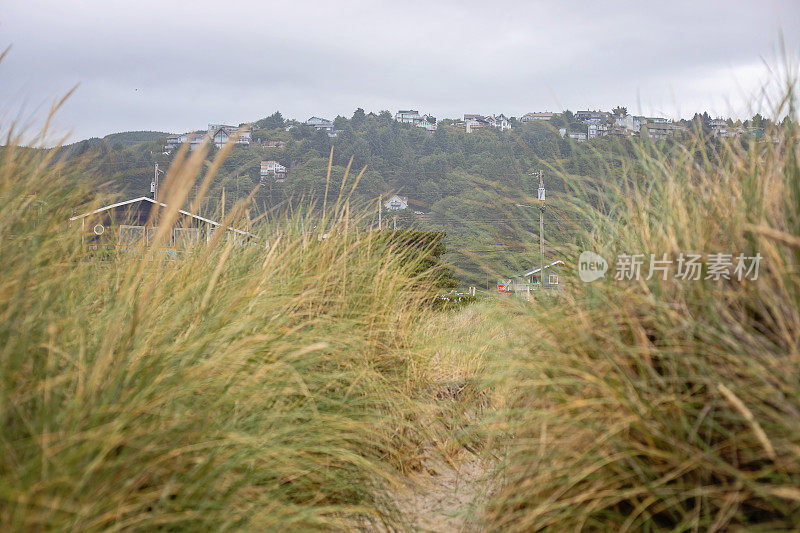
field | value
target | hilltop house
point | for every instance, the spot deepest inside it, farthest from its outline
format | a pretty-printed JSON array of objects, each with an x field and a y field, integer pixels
[
  {"x": 631, "y": 123},
  {"x": 218, "y": 133},
  {"x": 321, "y": 124},
  {"x": 195, "y": 139},
  {"x": 132, "y": 225},
  {"x": 530, "y": 117},
  {"x": 409, "y": 116},
  {"x": 274, "y": 169},
  {"x": 396, "y": 203},
  {"x": 588, "y": 117},
  {"x": 501, "y": 122},
  {"x": 221, "y": 133},
  {"x": 412, "y": 116},
  {"x": 474, "y": 122},
  {"x": 658, "y": 131},
  {"x": 720, "y": 128},
  {"x": 596, "y": 130}
]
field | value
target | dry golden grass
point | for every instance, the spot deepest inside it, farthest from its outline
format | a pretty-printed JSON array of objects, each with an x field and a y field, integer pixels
[
  {"x": 241, "y": 387},
  {"x": 666, "y": 404}
]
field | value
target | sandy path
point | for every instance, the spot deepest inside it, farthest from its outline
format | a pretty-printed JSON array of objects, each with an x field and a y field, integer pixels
[{"x": 443, "y": 497}]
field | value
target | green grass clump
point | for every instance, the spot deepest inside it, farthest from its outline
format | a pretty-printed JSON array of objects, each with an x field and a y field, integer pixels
[
  {"x": 666, "y": 405},
  {"x": 241, "y": 387}
]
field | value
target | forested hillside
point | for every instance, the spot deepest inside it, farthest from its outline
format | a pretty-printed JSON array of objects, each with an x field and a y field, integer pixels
[{"x": 476, "y": 186}]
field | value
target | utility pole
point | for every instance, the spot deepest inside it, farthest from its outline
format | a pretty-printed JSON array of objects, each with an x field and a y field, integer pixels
[
  {"x": 154, "y": 184},
  {"x": 541, "y": 198},
  {"x": 380, "y": 211},
  {"x": 395, "y": 222}
]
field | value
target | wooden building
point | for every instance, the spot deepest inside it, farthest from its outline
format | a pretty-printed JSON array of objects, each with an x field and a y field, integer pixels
[
  {"x": 523, "y": 284},
  {"x": 132, "y": 224}
]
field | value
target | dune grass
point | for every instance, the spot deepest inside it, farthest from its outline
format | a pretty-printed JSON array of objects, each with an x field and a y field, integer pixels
[
  {"x": 292, "y": 383},
  {"x": 664, "y": 405},
  {"x": 241, "y": 387}
]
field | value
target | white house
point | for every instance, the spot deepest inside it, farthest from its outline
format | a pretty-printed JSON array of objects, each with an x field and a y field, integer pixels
[
  {"x": 412, "y": 116},
  {"x": 596, "y": 130},
  {"x": 551, "y": 271},
  {"x": 501, "y": 122},
  {"x": 274, "y": 169},
  {"x": 630, "y": 123},
  {"x": 396, "y": 203},
  {"x": 474, "y": 122}
]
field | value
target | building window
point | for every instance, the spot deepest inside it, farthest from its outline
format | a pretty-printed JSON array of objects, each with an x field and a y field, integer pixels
[
  {"x": 186, "y": 238},
  {"x": 130, "y": 234},
  {"x": 99, "y": 229},
  {"x": 553, "y": 279}
]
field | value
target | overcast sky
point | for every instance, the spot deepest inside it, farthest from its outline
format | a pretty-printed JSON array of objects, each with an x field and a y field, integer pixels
[{"x": 178, "y": 65}]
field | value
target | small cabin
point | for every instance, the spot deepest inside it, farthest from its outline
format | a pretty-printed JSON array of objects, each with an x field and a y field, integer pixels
[
  {"x": 521, "y": 285},
  {"x": 133, "y": 224},
  {"x": 552, "y": 276}
]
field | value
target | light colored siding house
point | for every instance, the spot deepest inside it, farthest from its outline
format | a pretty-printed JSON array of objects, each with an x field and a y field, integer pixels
[
  {"x": 396, "y": 203},
  {"x": 630, "y": 123},
  {"x": 221, "y": 133},
  {"x": 412, "y": 116},
  {"x": 409, "y": 116},
  {"x": 501, "y": 122},
  {"x": 522, "y": 285},
  {"x": 596, "y": 130},
  {"x": 274, "y": 169},
  {"x": 320, "y": 124},
  {"x": 551, "y": 275},
  {"x": 591, "y": 116},
  {"x": 530, "y": 117},
  {"x": 720, "y": 128},
  {"x": 474, "y": 122},
  {"x": 194, "y": 138},
  {"x": 173, "y": 141},
  {"x": 661, "y": 131}
]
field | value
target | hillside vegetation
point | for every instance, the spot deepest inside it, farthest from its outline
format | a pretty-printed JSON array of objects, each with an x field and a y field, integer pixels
[
  {"x": 474, "y": 186},
  {"x": 307, "y": 381}
]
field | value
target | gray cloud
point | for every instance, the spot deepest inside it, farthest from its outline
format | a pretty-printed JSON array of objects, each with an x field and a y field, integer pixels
[{"x": 178, "y": 65}]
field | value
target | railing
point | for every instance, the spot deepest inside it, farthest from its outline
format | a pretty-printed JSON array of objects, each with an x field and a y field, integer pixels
[{"x": 108, "y": 252}]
